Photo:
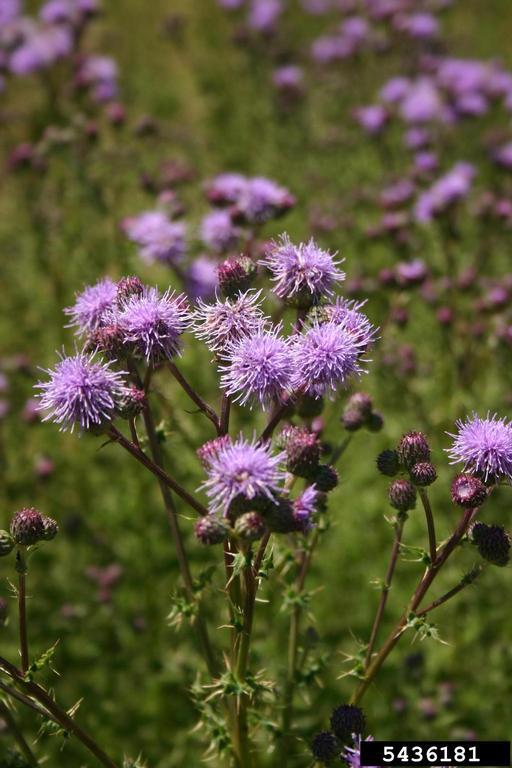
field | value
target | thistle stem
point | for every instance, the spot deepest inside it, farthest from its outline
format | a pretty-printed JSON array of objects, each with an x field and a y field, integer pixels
[
  {"x": 201, "y": 628},
  {"x": 430, "y": 524},
  {"x": 195, "y": 397},
  {"x": 156, "y": 469},
  {"x": 417, "y": 597},
  {"x": 9, "y": 720},
  {"x": 224, "y": 415},
  {"x": 242, "y": 741},
  {"x": 22, "y": 610},
  {"x": 340, "y": 450},
  {"x": 293, "y": 645},
  {"x": 463, "y": 583},
  {"x": 395, "y": 551}
]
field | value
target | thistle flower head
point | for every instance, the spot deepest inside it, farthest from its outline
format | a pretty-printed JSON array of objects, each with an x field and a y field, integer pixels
[
  {"x": 326, "y": 357},
  {"x": 483, "y": 446},
  {"x": 325, "y": 747},
  {"x": 347, "y": 720},
  {"x": 27, "y": 526},
  {"x": 90, "y": 306},
  {"x": 211, "y": 529},
  {"x": 243, "y": 469},
  {"x": 152, "y": 324},
  {"x": 493, "y": 543},
  {"x": 468, "y": 491},
  {"x": 303, "y": 272},
  {"x": 81, "y": 391},
  {"x": 158, "y": 238},
  {"x": 258, "y": 367},
  {"x": 262, "y": 199},
  {"x": 348, "y": 314},
  {"x": 224, "y": 322}
]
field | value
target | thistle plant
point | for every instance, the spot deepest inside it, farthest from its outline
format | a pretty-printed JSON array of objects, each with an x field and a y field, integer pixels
[{"x": 264, "y": 499}]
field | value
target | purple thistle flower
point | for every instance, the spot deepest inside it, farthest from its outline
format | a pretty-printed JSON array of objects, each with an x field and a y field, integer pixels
[
  {"x": 9, "y": 11},
  {"x": 304, "y": 271},
  {"x": 82, "y": 391},
  {"x": 91, "y": 304},
  {"x": 258, "y": 367},
  {"x": 165, "y": 244},
  {"x": 242, "y": 469},
  {"x": 225, "y": 322},
  {"x": 218, "y": 231},
  {"x": 326, "y": 357},
  {"x": 348, "y": 315},
  {"x": 483, "y": 446},
  {"x": 394, "y": 90},
  {"x": 422, "y": 102},
  {"x": 152, "y": 324},
  {"x": 304, "y": 507},
  {"x": 264, "y": 14}
]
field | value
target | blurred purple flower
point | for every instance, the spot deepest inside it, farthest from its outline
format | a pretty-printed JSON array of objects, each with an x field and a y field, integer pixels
[
  {"x": 449, "y": 189},
  {"x": 422, "y": 103},
  {"x": 394, "y": 90},
  {"x": 218, "y": 231},
  {"x": 201, "y": 278},
  {"x": 304, "y": 508},
  {"x": 372, "y": 118},
  {"x": 264, "y": 15}
]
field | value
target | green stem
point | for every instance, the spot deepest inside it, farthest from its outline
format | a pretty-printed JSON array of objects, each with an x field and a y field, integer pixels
[
  {"x": 293, "y": 645},
  {"x": 21, "y": 567},
  {"x": 399, "y": 527},
  {"x": 420, "y": 592},
  {"x": 430, "y": 524},
  {"x": 242, "y": 740}
]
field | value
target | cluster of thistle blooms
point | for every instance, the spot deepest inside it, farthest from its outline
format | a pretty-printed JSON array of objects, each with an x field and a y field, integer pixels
[
  {"x": 28, "y": 527},
  {"x": 29, "y": 44},
  {"x": 240, "y": 207},
  {"x": 342, "y": 743},
  {"x": 484, "y": 447},
  {"x": 258, "y": 365}
]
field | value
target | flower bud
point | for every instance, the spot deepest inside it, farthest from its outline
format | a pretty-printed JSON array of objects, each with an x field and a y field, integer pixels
[
  {"x": 50, "y": 527},
  {"x": 108, "y": 339},
  {"x": 211, "y": 529},
  {"x": 27, "y": 527},
  {"x": 468, "y": 491},
  {"x": 493, "y": 543},
  {"x": 387, "y": 463},
  {"x": 325, "y": 478},
  {"x": 132, "y": 403},
  {"x": 236, "y": 275},
  {"x": 250, "y": 526},
  {"x": 280, "y": 518},
  {"x": 302, "y": 451},
  {"x": 360, "y": 402},
  {"x": 423, "y": 474},
  {"x": 346, "y": 721},
  {"x": 6, "y": 543},
  {"x": 325, "y": 747},
  {"x": 412, "y": 449},
  {"x": 128, "y": 287},
  {"x": 402, "y": 495},
  {"x": 375, "y": 422},
  {"x": 352, "y": 420}
]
